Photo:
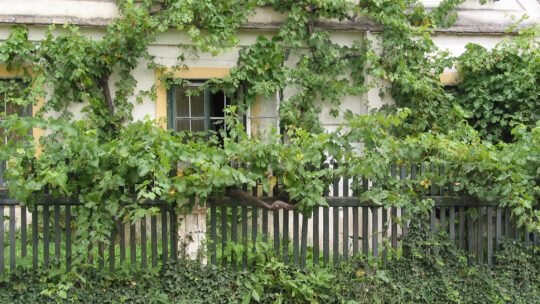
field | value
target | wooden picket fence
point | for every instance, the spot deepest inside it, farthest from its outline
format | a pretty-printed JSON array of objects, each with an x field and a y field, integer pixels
[
  {"x": 475, "y": 226},
  {"x": 28, "y": 238},
  {"x": 345, "y": 228},
  {"x": 350, "y": 226}
]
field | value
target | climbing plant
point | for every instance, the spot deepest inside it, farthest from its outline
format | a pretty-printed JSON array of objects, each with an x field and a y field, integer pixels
[
  {"x": 500, "y": 87},
  {"x": 112, "y": 164}
]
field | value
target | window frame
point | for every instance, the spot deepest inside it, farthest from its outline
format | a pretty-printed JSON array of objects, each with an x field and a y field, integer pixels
[
  {"x": 6, "y": 73},
  {"x": 9, "y": 74},
  {"x": 26, "y": 112},
  {"x": 201, "y": 73},
  {"x": 191, "y": 74},
  {"x": 172, "y": 110}
]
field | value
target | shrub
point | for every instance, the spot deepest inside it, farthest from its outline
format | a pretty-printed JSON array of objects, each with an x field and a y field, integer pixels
[{"x": 430, "y": 270}]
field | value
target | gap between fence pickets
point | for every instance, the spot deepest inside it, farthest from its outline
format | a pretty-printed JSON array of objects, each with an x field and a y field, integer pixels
[
  {"x": 192, "y": 226},
  {"x": 191, "y": 229}
]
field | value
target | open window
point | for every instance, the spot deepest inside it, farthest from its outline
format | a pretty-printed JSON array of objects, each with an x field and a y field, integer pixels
[
  {"x": 195, "y": 110},
  {"x": 181, "y": 111}
]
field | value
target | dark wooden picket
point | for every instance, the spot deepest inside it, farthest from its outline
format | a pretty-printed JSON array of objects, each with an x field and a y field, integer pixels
[
  {"x": 144, "y": 252},
  {"x": 50, "y": 224},
  {"x": 344, "y": 228},
  {"x": 244, "y": 235},
  {"x": 315, "y": 234},
  {"x": 350, "y": 226}
]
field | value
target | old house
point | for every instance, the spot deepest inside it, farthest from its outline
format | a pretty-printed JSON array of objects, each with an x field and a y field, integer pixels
[
  {"x": 485, "y": 24},
  {"x": 479, "y": 23}
]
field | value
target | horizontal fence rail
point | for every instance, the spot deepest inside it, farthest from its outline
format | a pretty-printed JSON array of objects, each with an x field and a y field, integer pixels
[
  {"x": 346, "y": 227},
  {"x": 46, "y": 237},
  {"x": 349, "y": 226}
]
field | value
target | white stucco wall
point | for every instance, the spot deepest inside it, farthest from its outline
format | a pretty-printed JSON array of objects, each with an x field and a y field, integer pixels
[
  {"x": 473, "y": 20},
  {"x": 473, "y": 16}
]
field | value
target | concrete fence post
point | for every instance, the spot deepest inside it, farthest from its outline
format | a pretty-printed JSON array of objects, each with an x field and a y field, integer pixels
[{"x": 192, "y": 233}]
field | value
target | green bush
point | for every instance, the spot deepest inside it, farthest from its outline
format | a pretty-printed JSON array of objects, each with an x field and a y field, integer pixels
[
  {"x": 500, "y": 86},
  {"x": 178, "y": 282},
  {"x": 430, "y": 270}
]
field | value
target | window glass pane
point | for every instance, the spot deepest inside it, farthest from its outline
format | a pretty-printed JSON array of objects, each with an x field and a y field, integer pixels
[
  {"x": 193, "y": 113},
  {"x": 197, "y": 105},
  {"x": 12, "y": 109},
  {"x": 197, "y": 125},
  {"x": 182, "y": 125},
  {"x": 182, "y": 103}
]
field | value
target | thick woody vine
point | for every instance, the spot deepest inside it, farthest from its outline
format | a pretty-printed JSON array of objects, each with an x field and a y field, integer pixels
[{"x": 112, "y": 164}]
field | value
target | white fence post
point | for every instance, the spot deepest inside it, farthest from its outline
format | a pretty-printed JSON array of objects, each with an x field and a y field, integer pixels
[{"x": 192, "y": 233}]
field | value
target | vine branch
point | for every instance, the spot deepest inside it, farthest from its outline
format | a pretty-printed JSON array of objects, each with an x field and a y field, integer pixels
[
  {"x": 276, "y": 205},
  {"x": 104, "y": 83}
]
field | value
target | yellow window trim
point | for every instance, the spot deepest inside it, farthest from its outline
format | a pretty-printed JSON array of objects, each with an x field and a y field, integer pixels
[
  {"x": 186, "y": 73},
  {"x": 37, "y": 133},
  {"x": 451, "y": 78}
]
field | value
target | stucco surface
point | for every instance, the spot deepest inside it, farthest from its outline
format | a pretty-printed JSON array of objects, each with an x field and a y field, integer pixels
[
  {"x": 473, "y": 17},
  {"x": 483, "y": 23}
]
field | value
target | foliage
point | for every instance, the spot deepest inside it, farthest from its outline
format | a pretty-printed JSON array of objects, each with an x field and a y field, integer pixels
[
  {"x": 262, "y": 68},
  {"x": 78, "y": 67},
  {"x": 271, "y": 281},
  {"x": 112, "y": 164},
  {"x": 178, "y": 282},
  {"x": 499, "y": 87},
  {"x": 325, "y": 72},
  {"x": 114, "y": 178},
  {"x": 504, "y": 172},
  {"x": 411, "y": 62},
  {"x": 192, "y": 282},
  {"x": 431, "y": 270}
]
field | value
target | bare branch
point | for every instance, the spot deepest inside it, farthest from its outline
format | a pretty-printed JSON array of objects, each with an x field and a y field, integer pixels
[
  {"x": 104, "y": 83},
  {"x": 276, "y": 205},
  {"x": 311, "y": 30}
]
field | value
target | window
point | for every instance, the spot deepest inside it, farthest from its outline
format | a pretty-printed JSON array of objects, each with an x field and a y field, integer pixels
[
  {"x": 263, "y": 113},
  {"x": 189, "y": 111},
  {"x": 10, "y": 89},
  {"x": 164, "y": 96}
]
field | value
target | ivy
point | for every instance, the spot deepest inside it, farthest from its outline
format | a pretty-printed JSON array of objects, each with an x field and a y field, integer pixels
[{"x": 429, "y": 270}]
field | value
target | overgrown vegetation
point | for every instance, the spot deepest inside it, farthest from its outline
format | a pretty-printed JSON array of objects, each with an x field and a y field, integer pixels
[
  {"x": 500, "y": 87},
  {"x": 430, "y": 270},
  {"x": 111, "y": 164}
]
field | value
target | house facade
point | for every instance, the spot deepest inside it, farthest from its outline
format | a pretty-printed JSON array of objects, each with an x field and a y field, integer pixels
[{"x": 484, "y": 24}]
